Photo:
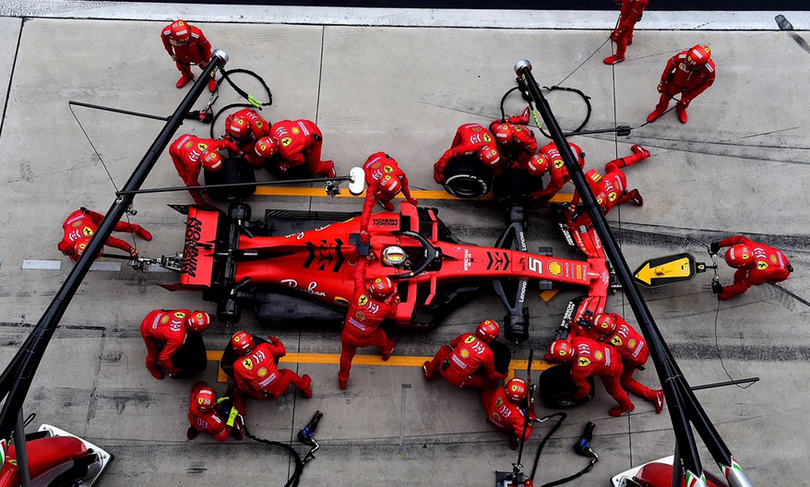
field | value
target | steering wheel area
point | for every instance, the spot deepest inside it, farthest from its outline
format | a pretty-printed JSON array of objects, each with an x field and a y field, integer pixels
[{"x": 432, "y": 254}]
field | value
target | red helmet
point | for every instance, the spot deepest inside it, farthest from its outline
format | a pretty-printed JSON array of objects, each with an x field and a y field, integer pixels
[
  {"x": 538, "y": 164},
  {"x": 211, "y": 160},
  {"x": 81, "y": 245},
  {"x": 698, "y": 56},
  {"x": 242, "y": 343},
  {"x": 381, "y": 288},
  {"x": 238, "y": 127},
  {"x": 489, "y": 155},
  {"x": 181, "y": 31},
  {"x": 605, "y": 324},
  {"x": 199, "y": 321},
  {"x": 516, "y": 390},
  {"x": 562, "y": 350},
  {"x": 266, "y": 147},
  {"x": 488, "y": 331},
  {"x": 205, "y": 399},
  {"x": 391, "y": 184},
  {"x": 504, "y": 133},
  {"x": 739, "y": 256}
]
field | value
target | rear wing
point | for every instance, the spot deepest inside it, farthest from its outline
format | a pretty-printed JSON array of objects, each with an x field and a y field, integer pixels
[{"x": 197, "y": 267}]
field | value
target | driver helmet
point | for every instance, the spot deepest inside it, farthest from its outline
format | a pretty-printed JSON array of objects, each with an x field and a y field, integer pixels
[
  {"x": 516, "y": 390},
  {"x": 538, "y": 164},
  {"x": 605, "y": 324},
  {"x": 488, "y": 331},
  {"x": 205, "y": 399},
  {"x": 391, "y": 184},
  {"x": 380, "y": 288},
  {"x": 698, "y": 56},
  {"x": 504, "y": 133},
  {"x": 238, "y": 127},
  {"x": 181, "y": 31},
  {"x": 489, "y": 155},
  {"x": 394, "y": 256},
  {"x": 81, "y": 245},
  {"x": 199, "y": 321},
  {"x": 739, "y": 256},
  {"x": 211, "y": 160},
  {"x": 242, "y": 343},
  {"x": 266, "y": 147},
  {"x": 561, "y": 351}
]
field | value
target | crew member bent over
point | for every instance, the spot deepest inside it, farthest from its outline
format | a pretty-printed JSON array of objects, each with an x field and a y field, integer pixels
[
  {"x": 164, "y": 332},
  {"x": 292, "y": 144},
  {"x": 514, "y": 140},
  {"x": 374, "y": 301},
  {"x": 548, "y": 160},
  {"x": 256, "y": 373},
  {"x": 384, "y": 180},
  {"x": 82, "y": 224},
  {"x": 190, "y": 153},
  {"x": 187, "y": 45},
  {"x": 688, "y": 73},
  {"x": 210, "y": 415},
  {"x": 468, "y": 361},
  {"x": 756, "y": 263},
  {"x": 505, "y": 408},
  {"x": 471, "y": 138},
  {"x": 245, "y": 127}
]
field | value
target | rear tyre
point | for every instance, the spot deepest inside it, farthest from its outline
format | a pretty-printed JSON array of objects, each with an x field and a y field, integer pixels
[
  {"x": 557, "y": 387},
  {"x": 467, "y": 177},
  {"x": 514, "y": 186},
  {"x": 234, "y": 170}
]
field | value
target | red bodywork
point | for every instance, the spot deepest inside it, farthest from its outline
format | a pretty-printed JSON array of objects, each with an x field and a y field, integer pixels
[
  {"x": 660, "y": 475},
  {"x": 44, "y": 454}
]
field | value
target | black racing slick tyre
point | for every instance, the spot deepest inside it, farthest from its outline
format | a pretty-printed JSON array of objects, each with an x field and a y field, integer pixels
[
  {"x": 503, "y": 356},
  {"x": 190, "y": 358},
  {"x": 515, "y": 185},
  {"x": 466, "y": 177},
  {"x": 234, "y": 170},
  {"x": 557, "y": 387}
]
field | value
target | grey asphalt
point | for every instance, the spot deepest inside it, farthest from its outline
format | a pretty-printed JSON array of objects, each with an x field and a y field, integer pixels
[{"x": 738, "y": 166}]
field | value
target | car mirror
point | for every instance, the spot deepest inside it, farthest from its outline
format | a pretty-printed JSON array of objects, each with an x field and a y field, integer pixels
[{"x": 358, "y": 182}]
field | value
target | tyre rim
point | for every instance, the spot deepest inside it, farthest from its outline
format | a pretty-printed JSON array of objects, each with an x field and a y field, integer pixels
[{"x": 466, "y": 186}]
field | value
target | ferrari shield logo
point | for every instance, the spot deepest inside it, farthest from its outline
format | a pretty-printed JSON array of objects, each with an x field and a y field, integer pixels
[
  {"x": 558, "y": 163},
  {"x": 616, "y": 341},
  {"x": 487, "y": 138},
  {"x": 583, "y": 362},
  {"x": 388, "y": 168},
  {"x": 248, "y": 364},
  {"x": 498, "y": 402},
  {"x": 469, "y": 339},
  {"x": 87, "y": 231},
  {"x": 362, "y": 300},
  {"x": 612, "y": 197},
  {"x": 179, "y": 315},
  {"x": 762, "y": 265},
  {"x": 286, "y": 141},
  {"x": 202, "y": 147}
]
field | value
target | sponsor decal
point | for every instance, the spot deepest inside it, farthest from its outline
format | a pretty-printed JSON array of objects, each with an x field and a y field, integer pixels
[
  {"x": 340, "y": 300},
  {"x": 773, "y": 259},
  {"x": 190, "y": 250},
  {"x": 535, "y": 265},
  {"x": 496, "y": 416},
  {"x": 464, "y": 353},
  {"x": 311, "y": 289},
  {"x": 360, "y": 315},
  {"x": 164, "y": 319},
  {"x": 467, "y": 260},
  {"x": 295, "y": 131},
  {"x": 632, "y": 343},
  {"x": 598, "y": 355},
  {"x": 385, "y": 222},
  {"x": 262, "y": 371},
  {"x": 579, "y": 272},
  {"x": 523, "y": 285},
  {"x": 554, "y": 268}
]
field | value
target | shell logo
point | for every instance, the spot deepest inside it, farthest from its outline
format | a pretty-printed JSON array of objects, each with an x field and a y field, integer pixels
[
  {"x": 464, "y": 353},
  {"x": 554, "y": 268},
  {"x": 774, "y": 259},
  {"x": 262, "y": 372},
  {"x": 632, "y": 343},
  {"x": 164, "y": 320},
  {"x": 598, "y": 355},
  {"x": 296, "y": 131}
]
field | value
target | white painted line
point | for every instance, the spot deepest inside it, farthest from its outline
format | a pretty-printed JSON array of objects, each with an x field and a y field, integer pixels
[
  {"x": 33, "y": 264},
  {"x": 400, "y": 17},
  {"x": 106, "y": 267}
]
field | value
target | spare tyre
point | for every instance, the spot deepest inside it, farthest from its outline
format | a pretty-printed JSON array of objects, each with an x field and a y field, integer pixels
[
  {"x": 466, "y": 177},
  {"x": 234, "y": 170},
  {"x": 557, "y": 387},
  {"x": 503, "y": 356}
]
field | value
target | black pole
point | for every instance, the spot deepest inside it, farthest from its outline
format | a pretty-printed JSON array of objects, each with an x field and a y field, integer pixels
[
  {"x": 666, "y": 372},
  {"x": 725, "y": 383},
  {"x": 117, "y": 110},
  {"x": 172, "y": 189},
  {"x": 31, "y": 353}
]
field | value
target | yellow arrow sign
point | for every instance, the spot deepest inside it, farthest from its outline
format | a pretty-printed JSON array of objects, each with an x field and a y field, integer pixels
[{"x": 666, "y": 270}]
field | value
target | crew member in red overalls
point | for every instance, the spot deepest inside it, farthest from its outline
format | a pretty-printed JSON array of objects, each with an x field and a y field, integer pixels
[
  {"x": 632, "y": 10},
  {"x": 589, "y": 358},
  {"x": 245, "y": 127},
  {"x": 634, "y": 351},
  {"x": 164, "y": 332},
  {"x": 294, "y": 143},
  {"x": 189, "y": 153},
  {"x": 468, "y": 361},
  {"x": 688, "y": 73},
  {"x": 515, "y": 142},
  {"x": 548, "y": 160},
  {"x": 256, "y": 373},
  {"x": 503, "y": 407},
  {"x": 82, "y": 224},
  {"x": 384, "y": 181},
  {"x": 187, "y": 45},
  {"x": 756, "y": 263},
  {"x": 374, "y": 301},
  {"x": 210, "y": 415},
  {"x": 471, "y": 138}
]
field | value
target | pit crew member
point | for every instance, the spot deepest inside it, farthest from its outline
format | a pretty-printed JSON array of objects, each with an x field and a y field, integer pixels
[
  {"x": 688, "y": 73},
  {"x": 514, "y": 140},
  {"x": 631, "y": 12},
  {"x": 756, "y": 263},
  {"x": 468, "y": 361},
  {"x": 292, "y": 144},
  {"x": 256, "y": 373},
  {"x": 187, "y": 45},
  {"x": 548, "y": 160},
  {"x": 208, "y": 414},
  {"x": 245, "y": 127},
  {"x": 471, "y": 138},
  {"x": 189, "y": 153},
  {"x": 164, "y": 332},
  {"x": 505, "y": 408},
  {"x": 384, "y": 180},
  {"x": 82, "y": 224}
]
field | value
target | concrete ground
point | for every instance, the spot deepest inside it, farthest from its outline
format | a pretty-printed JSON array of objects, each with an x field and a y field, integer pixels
[{"x": 738, "y": 166}]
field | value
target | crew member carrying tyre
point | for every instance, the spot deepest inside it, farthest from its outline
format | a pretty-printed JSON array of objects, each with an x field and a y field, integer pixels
[
  {"x": 187, "y": 45},
  {"x": 631, "y": 12},
  {"x": 589, "y": 358},
  {"x": 245, "y": 127},
  {"x": 756, "y": 263},
  {"x": 514, "y": 140},
  {"x": 471, "y": 138},
  {"x": 468, "y": 361},
  {"x": 634, "y": 352},
  {"x": 293, "y": 144},
  {"x": 256, "y": 373},
  {"x": 505, "y": 408},
  {"x": 384, "y": 181},
  {"x": 374, "y": 301},
  {"x": 688, "y": 73},
  {"x": 82, "y": 224},
  {"x": 548, "y": 160},
  {"x": 210, "y": 415},
  {"x": 190, "y": 153},
  {"x": 164, "y": 332}
]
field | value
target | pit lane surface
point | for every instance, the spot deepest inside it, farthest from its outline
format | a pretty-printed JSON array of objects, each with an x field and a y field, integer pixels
[{"x": 738, "y": 166}]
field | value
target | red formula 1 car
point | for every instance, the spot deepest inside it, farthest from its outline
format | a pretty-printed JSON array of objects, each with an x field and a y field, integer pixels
[{"x": 297, "y": 267}]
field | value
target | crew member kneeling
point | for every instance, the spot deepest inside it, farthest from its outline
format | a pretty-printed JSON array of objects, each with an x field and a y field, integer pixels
[
  {"x": 164, "y": 332},
  {"x": 468, "y": 361},
  {"x": 210, "y": 415},
  {"x": 505, "y": 408},
  {"x": 256, "y": 373},
  {"x": 756, "y": 263}
]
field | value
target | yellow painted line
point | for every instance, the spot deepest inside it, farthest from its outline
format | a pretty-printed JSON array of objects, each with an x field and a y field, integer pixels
[
  {"x": 420, "y": 194},
  {"x": 547, "y": 295}
]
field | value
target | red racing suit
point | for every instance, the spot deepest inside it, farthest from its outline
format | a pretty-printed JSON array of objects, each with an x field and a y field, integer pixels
[
  {"x": 504, "y": 414},
  {"x": 376, "y": 167},
  {"x": 768, "y": 265},
  {"x": 520, "y": 149},
  {"x": 84, "y": 223},
  {"x": 678, "y": 79},
  {"x": 207, "y": 422},
  {"x": 469, "y": 139},
  {"x": 258, "y": 128},
  {"x": 299, "y": 142},
  {"x": 257, "y": 375},
  {"x": 634, "y": 352},
  {"x": 361, "y": 328},
  {"x": 166, "y": 329},
  {"x": 610, "y": 190},
  {"x": 196, "y": 51},
  {"x": 554, "y": 165},
  {"x": 467, "y": 362},
  {"x": 632, "y": 10},
  {"x": 598, "y": 359},
  {"x": 186, "y": 152}
]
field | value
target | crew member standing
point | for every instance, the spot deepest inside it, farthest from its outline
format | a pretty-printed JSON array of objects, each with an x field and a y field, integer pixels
[
  {"x": 468, "y": 361},
  {"x": 384, "y": 180},
  {"x": 374, "y": 301},
  {"x": 82, "y": 224},
  {"x": 164, "y": 332},
  {"x": 631, "y": 13},
  {"x": 688, "y": 73},
  {"x": 505, "y": 408},
  {"x": 756, "y": 263},
  {"x": 292, "y": 144},
  {"x": 471, "y": 138},
  {"x": 245, "y": 127},
  {"x": 256, "y": 373},
  {"x": 189, "y": 153},
  {"x": 187, "y": 45}
]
